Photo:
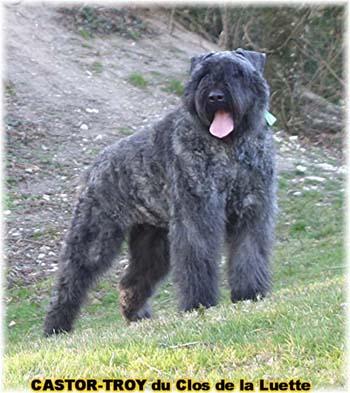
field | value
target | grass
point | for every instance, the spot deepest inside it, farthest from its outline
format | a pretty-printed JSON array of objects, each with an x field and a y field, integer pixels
[
  {"x": 84, "y": 33},
  {"x": 10, "y": 89},
  {"x": 7, "y": 201},
  {"x": 133, "y": 34},
  {"x": 126, "y": 131},
  {"x": 97, "y": 67},
  {"x": 138, "y": 80},
  {"x": 175, "y": 86},
  {"x": 296, "y": 332}
]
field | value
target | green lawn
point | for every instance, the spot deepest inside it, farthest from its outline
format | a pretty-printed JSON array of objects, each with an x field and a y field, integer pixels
[{"x": 298, "y": 331}]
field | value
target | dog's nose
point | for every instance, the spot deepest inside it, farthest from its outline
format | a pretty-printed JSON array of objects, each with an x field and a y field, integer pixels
[{"x": 216, "y": 96}]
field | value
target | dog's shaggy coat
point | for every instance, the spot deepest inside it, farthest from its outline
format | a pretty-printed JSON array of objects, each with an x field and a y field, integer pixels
[{"x": 178, "y": 191}]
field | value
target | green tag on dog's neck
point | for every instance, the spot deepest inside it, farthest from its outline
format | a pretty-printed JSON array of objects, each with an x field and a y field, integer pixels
[{"x": 270, "y": 118}]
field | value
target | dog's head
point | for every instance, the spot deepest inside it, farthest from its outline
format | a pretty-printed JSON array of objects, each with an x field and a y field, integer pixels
[{"x": 227, "y": 89}]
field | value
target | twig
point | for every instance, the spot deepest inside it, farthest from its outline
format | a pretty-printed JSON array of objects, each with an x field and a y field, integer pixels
[
  {"x": 160, "y": 372},
  {"x": 335, "y": 267},
  {"x": 319, "y": 58},
  {"x": 250, "y": 41},
  {"x": 184, "y": 345},
  {"x": 36, "y": 242},
  {"x": 111, "y": 359},
  {"x": 171, "y": 21},
  {"x": 284, "y": 43},
  {"x": 332, "y": 59},
  {"x": 302, "y": 20},
  {"x": 187, "y": 20},
  {"x": 137, "y": 53}
]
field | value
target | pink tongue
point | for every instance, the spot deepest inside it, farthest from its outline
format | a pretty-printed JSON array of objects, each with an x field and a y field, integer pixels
[{"x": 222, "y": 124}]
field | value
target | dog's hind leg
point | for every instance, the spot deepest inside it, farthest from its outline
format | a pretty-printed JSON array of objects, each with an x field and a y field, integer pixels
[
  {"x": 90, "y": 246},
  {"x": 149, "y": 263}
]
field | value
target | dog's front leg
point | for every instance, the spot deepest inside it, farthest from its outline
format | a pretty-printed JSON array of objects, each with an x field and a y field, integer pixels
[
  {"x": 196, "y": 231},
  {"x": 249, "y": 244}
]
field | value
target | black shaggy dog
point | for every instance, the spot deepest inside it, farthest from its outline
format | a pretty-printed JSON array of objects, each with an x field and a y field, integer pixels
[{"x": 201, "y": 176}]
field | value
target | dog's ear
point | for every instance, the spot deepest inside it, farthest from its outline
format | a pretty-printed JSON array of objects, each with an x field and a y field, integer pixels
[
  {"x": 195, "y": 60},
  {"x": 258, "y": 59}
]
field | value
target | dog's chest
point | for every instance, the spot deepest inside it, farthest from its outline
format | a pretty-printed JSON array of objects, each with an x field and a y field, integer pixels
[
  {"x": 238, "y": 175},
  {"x": 229, "y": 168}
]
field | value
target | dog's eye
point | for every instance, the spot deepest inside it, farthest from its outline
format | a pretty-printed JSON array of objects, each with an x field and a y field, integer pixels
[
  {"x": 237, "y": 73},
  {"x": 204, "y": 79}
]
